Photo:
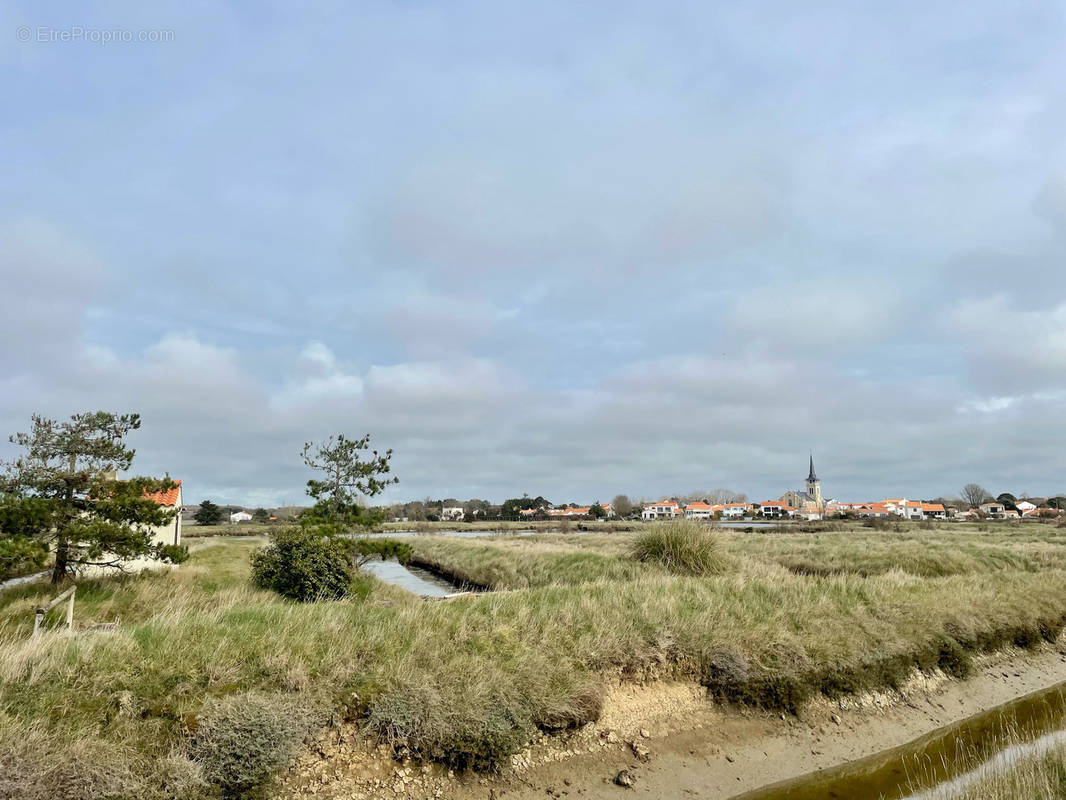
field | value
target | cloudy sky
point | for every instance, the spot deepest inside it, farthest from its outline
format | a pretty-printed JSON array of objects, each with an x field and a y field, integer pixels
[{"x": 570, "y": 249}]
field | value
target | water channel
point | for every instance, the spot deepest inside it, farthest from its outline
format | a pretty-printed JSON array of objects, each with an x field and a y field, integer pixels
[
  {"x": 944, "y": 761},
  {"x": 414, "y": 579}
]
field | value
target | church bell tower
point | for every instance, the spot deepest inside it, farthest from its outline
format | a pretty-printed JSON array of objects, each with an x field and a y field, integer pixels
[{"x": 814, "y": 486}]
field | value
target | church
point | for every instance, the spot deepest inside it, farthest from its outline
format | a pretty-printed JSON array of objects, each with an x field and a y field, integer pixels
[{"x": 809, "y": 501}]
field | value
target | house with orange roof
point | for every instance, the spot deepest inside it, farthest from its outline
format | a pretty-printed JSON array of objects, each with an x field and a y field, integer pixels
[
  {"x": 699, "y": 510},
  {"x": 775, "y": 509},
  {"x": 664, "y": 509},
  {"x": 734, "y": 510},
  {"x": 170, "y": 499},
  {"x": 934, "y": 511},
  {"x": 874, "y": 511}
]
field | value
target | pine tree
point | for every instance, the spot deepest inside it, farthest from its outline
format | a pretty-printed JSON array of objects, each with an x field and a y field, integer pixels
[
  {"x": 208, "y": 514},
  {"x": 63, "y": 493}
]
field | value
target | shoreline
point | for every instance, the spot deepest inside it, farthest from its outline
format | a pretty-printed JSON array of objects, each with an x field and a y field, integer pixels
[{"x": 676, "y": 742}]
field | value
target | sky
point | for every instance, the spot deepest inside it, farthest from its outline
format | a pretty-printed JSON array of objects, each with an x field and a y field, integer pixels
[{"x": 569, "y": 249}]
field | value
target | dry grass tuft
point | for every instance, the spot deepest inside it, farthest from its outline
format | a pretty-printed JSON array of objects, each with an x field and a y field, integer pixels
[{"x": 682, "y": 547}]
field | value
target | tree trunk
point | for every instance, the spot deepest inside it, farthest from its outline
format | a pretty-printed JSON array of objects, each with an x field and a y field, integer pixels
[{"x": 59, "y": 571}]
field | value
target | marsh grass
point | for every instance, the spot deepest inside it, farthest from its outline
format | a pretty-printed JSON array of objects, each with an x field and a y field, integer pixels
[
  {"x": 682, "y": 547},
  {"x": 468, "y": 681}
]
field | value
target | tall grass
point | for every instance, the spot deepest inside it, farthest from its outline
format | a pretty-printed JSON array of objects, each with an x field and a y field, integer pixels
[
  {"x": 470, "y": 680},
  {"x": 682, "y": 547}
]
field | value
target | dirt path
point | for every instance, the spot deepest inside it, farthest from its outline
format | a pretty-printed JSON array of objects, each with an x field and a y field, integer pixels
[{"x": 675, "y": 744}]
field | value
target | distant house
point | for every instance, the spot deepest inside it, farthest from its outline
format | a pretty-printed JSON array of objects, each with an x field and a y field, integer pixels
[
  {"x": 776, "y": 509},
  {"x": 734, "y": 510},
  {"x": 569, "y": 511},
  {"x": 934, "y": 510},
  {"x": 992, "y": 509},
  {"x": 240, "y": 516},
  {"x": 902, "y": 507},
  {"x": 168, "y": 534},
  {"x": 664, "y": 509},
  {"x": 699, "y": 510},
  {"x": 452, "y": 513},
  {"x": 1025, "y": 506},
  {"x": 171, "y": 532}
]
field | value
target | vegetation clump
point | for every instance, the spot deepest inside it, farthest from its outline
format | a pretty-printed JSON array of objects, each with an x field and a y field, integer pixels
[
  {"x": 238, "y": 741},
  {"x": 304, "y": 565},
  {"x": 682, "y": 547}
]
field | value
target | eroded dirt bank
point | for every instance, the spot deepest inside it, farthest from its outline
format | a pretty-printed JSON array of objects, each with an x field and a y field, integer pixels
[{"x": 673, "y": 742}]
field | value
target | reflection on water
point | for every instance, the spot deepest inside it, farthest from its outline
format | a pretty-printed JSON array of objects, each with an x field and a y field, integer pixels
[
  {"x": 940, "y": 760},
  {"x": 414, "y": 579},
  {"x": 1000, "y": 763}
]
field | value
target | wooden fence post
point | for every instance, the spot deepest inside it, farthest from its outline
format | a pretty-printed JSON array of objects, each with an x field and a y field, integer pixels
[
  {"x": 68, "y": 595},
  {"x": 70, "y": 610}
]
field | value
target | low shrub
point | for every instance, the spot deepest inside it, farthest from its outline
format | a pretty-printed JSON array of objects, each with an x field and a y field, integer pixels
[
  {"x": 240, "y": 740},
  {"x": 463, "y": 735},
  {"x": 20, "y": 556},
  {"x": 585, "y": 705},
  {"x": 683, "y": 547},
  {"x": 304, "y": 565}
]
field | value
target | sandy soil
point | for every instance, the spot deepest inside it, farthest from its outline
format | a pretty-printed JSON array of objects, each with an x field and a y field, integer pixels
[{"x": 673, "y": 743}]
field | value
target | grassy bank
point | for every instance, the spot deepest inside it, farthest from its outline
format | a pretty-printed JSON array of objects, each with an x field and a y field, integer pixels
[{"x": 202, "y": 664}]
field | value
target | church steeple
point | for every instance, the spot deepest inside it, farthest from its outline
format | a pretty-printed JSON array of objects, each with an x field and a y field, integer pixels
[{"x": 814, "y": 486}]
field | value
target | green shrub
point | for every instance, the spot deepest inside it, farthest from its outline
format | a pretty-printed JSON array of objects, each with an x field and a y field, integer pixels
[
  {"x": 20, "y": 556},
  {"x": 304, "y": 565},
  {"x": 682, "y": 547},
  {"x": 240, "y": 740}
]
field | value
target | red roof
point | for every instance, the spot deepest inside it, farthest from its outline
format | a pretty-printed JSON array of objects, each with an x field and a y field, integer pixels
[{"x": 169, "y": 498}]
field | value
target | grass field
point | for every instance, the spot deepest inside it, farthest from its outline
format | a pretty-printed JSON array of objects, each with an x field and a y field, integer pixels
[{"x": 204, "y": 667}]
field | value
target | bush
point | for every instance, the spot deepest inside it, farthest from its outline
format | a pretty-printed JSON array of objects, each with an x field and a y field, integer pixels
[
  {"x": 304, "y": 565},
  {"x": 683, "y": 547},
  {"x": 239, "y": 741},
  {"x": 477, "y": 735},
  {"x": 20, "y": 556}
]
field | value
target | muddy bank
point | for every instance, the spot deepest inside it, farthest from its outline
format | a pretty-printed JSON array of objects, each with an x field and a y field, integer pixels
[
  {"x": 725, "y": 754},
  {"x": 674, "y": 742}
]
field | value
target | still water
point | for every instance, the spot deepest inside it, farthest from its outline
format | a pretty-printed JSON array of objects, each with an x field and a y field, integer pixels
[
  {"x": 414, "y": 579},
  {"x": 942, "y": 762}
]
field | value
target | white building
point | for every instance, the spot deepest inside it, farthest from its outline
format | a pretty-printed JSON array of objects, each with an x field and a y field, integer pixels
[
  {"x": 240, "y": 516},
  {"x": 699, "y": 510},
  {"x": 171, "y": 532},
  {"x": 452, "y": 513},
  {"x": 664, "y": 509},
  {"x": 734, "y": 510}
]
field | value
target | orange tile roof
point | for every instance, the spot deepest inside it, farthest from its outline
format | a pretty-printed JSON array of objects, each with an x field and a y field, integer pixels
[
  {"x": 169, "y": 498},
  {"x": 932, "y": 506},
  {"x": 698, "y": 505}
]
